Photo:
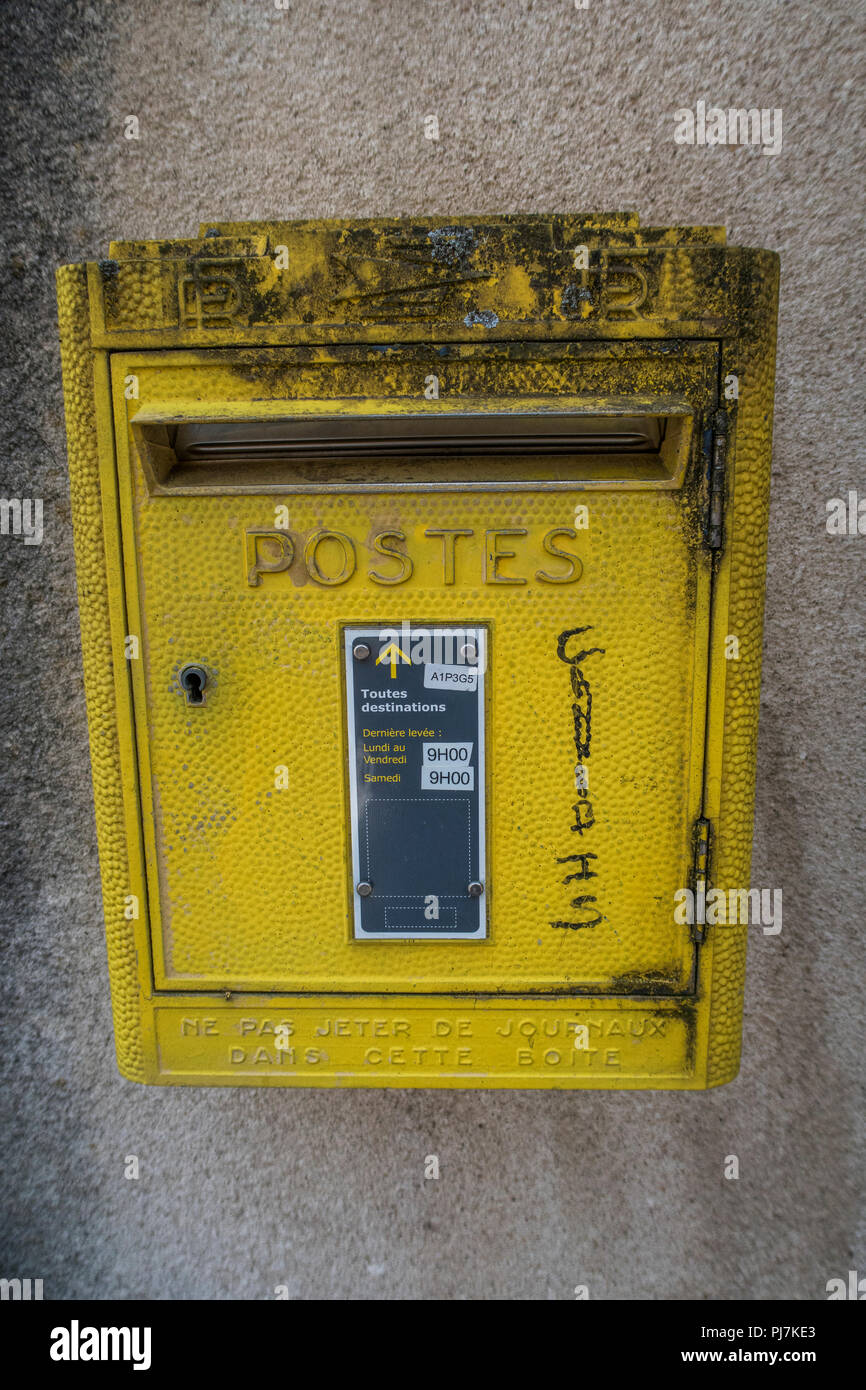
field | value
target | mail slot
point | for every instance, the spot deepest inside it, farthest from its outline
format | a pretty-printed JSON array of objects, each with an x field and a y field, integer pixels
[{"x": 421, "y": 578}]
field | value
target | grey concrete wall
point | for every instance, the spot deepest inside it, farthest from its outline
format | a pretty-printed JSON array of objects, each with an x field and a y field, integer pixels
[{"x": 247, "y": 111}]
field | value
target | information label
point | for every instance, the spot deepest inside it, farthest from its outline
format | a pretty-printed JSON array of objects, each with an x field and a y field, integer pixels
[{"x": 415, "y": 700}]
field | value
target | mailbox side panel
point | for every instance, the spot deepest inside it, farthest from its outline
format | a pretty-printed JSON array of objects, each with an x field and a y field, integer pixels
[
  {"x": 735, "y": 686},
  {"x": 81, "y": 367}
]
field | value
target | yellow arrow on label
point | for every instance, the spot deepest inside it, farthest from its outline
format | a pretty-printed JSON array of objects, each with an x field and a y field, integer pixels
[{"x": 390, "y": 654}]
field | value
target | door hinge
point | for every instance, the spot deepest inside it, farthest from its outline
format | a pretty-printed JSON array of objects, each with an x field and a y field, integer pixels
[
  {"x": 718, "y": 457},
  {"x": 700, "y": 864}
]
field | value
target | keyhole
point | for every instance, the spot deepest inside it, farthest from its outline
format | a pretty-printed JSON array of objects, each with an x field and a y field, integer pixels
[{"x": 193, "y": 679}]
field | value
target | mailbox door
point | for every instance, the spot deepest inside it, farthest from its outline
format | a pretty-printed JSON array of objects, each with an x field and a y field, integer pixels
[{"x": 588, "y": 574}]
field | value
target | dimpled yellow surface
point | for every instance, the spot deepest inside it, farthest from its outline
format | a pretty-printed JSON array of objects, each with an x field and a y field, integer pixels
[
  {"x": 252, "y": 881},
  {"x": 249, "y": 886},
  {"x": 610, "y": 716}
]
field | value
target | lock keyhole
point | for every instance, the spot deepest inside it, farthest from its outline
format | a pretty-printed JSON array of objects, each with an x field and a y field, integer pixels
[{"x": 193, "y": 680}]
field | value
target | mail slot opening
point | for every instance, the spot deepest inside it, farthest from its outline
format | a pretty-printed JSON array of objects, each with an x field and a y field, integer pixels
[{"x": 400, "y": 450}]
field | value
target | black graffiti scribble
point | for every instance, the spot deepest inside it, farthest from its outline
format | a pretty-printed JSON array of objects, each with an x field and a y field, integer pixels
[
  {"x": 582, "y": 707},
  {"x": 581, "y": 710},
  {"x": 584, "y": 816},
  {"x": 578, "y": 926},
  {"x": 584, "y": 871}
]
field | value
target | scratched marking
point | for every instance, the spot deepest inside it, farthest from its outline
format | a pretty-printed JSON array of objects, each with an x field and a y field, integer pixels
[{"x": 441, "y": 259}]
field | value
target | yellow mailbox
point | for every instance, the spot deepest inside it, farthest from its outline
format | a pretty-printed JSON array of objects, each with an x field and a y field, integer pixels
[{"x": 420, "y": 570}]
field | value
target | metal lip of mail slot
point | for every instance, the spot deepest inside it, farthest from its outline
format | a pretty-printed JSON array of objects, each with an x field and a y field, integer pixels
[
  {"x": 440, "y": 450},
  {"x": 420, "y": 573},
  {"x": 418, "y": 435}
]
